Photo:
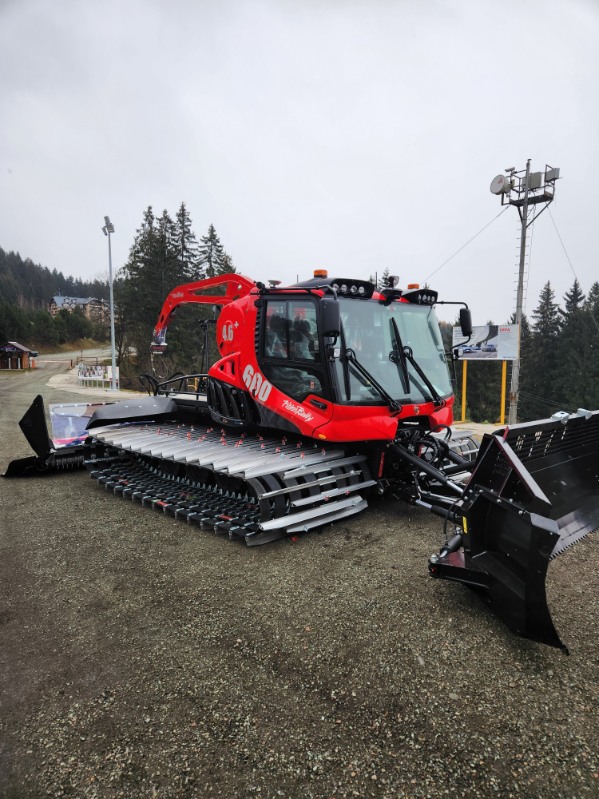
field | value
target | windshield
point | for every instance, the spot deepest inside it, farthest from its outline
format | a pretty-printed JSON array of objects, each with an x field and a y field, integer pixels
[{"x": 367, "y": 328}]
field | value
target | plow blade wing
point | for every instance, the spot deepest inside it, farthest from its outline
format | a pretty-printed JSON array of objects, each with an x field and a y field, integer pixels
[
  {"x": 534, "y": 492},
  {"x": 35, "y": 430},
  {"x": 34, "y": 427}
]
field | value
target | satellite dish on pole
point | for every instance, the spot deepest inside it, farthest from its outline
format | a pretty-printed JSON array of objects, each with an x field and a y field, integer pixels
[{"x": 501, "y": 184}]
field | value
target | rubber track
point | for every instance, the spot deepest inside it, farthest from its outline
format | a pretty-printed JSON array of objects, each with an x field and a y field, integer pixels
[{"x": 248, "y": 487}]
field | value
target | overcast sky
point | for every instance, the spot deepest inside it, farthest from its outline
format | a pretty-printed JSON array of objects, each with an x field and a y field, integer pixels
[{"x": 354, "y": 135}]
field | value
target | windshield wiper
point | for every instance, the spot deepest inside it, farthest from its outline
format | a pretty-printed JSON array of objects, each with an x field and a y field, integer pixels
[
  {"x": 437, "y": 399},
  {"x": 346, "y": 379},
  {"x": 394, "y": 405},
  {"x": 404, "y": 354},
  {"x": 398, "y": 357}
]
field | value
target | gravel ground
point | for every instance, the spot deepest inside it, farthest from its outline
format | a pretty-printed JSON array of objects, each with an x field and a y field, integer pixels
[{"x": 140, "y": 657}]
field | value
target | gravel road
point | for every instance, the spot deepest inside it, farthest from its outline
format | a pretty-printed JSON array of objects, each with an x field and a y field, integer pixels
[{"x": 140, "y": 657}]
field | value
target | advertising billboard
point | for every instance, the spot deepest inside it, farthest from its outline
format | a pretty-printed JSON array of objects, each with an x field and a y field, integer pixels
[{"x": 488, "y": 342}]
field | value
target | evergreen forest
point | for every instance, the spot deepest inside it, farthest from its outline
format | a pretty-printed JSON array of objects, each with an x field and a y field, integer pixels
[
  {"x": 26, "y": 290},
  {"x": 559, "y": 342},
  {"x": 559, "y": 361}
]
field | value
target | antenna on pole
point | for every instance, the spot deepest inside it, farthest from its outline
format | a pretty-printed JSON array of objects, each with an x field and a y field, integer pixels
[{"x": 523, "y": 188}]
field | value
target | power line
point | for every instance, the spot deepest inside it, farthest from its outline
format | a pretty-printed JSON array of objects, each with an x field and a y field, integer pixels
[
  {"x": 466, "y": 244},
  {"x": 563, "y": 246},
  {"x": 571, "y": 266},
  {"x": 539, "y": 400}
]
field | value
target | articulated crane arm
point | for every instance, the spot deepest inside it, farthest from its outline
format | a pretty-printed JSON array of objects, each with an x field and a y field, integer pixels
[{"x": 219, "y": 290}]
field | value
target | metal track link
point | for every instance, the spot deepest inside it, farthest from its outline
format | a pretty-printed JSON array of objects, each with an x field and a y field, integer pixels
[{"x": 249, "y": 487}]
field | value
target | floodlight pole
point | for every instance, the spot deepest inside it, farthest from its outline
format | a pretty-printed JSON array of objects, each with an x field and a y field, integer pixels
[
  {"x": 515, "y": 382},
  {"x": 523, "y": 191},
  {"x": 107, "y": 230}
]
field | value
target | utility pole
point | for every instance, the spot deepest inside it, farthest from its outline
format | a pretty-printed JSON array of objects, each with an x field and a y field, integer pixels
[{"x": 522, "y": 189}]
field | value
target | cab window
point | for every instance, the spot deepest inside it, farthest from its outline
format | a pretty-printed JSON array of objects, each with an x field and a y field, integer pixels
[
  {"x": 290, "y": 348},
  {"x": 291, "y": 332}
]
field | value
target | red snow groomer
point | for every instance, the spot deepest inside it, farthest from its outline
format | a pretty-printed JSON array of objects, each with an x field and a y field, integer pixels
[{"x": 324, "y": 392}]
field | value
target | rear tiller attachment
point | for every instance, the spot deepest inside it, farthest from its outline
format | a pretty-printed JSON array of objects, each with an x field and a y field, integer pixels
[{"x": 64, "y": 451}]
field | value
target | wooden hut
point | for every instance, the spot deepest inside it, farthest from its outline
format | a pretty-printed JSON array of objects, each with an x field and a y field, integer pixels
[{"x": 15, "y": 356}]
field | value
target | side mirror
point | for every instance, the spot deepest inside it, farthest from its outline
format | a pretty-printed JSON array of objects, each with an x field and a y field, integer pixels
[
  {"x": 466, "y": 322},
  {"x": 330, "y": 316}
]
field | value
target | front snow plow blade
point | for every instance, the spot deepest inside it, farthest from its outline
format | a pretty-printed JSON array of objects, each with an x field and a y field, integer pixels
[{"x": 533, "y": 493}]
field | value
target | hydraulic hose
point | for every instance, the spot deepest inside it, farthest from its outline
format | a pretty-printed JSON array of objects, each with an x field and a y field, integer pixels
[{"x": 422, "y": 465}]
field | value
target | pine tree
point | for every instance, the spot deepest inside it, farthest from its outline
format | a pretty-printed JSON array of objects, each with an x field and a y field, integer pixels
[
  {"x": 142, "y": 250},
  {"x": 227, "y": 265},
  {"x": 171, "y": 268},
  {"x": 384, "y": 279},
  {"x": 213, "y": 258},
  {"x": 542, "y": 368},
  {"x": 572, "y": 351},
  {"x": 143, "y": 285},
  {"x": 591, "y": 336},
  {"x": 186, "y": 246},
  {"x": 380, "y": 281},
  {"x": 573, "y": 299}
]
